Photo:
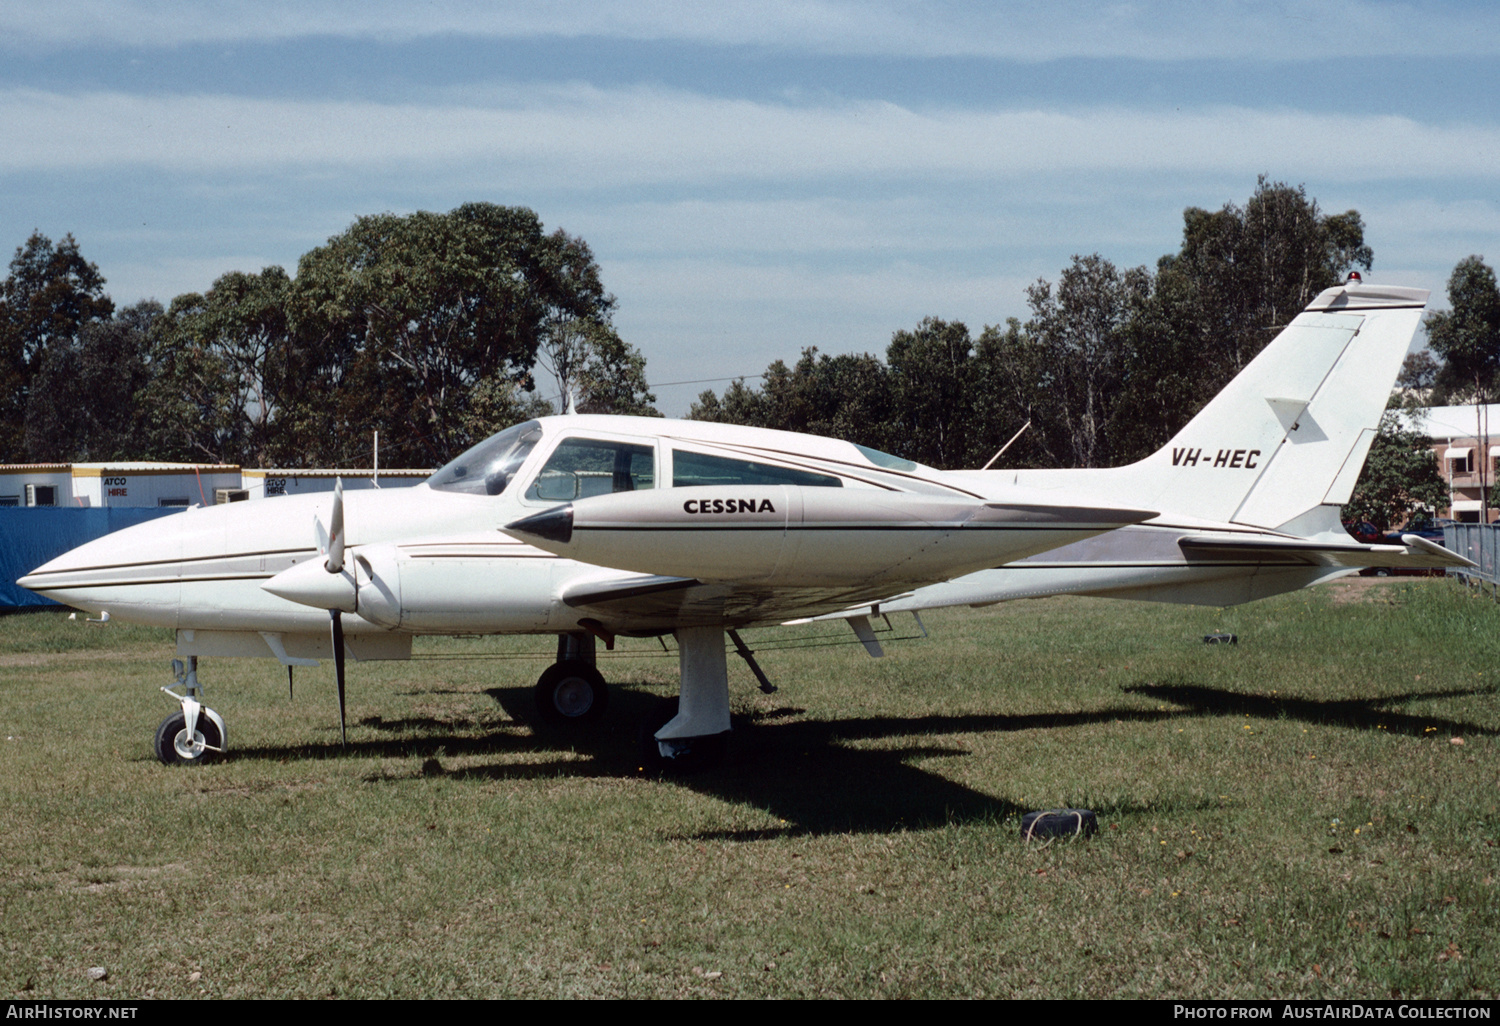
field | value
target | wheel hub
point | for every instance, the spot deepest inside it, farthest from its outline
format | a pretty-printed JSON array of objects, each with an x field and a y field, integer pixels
[
  {"x": 573, "y": 697},
  {"x": 189, "y": 749}
]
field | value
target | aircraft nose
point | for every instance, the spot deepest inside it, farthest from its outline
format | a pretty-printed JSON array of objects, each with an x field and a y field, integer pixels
[{"x": 131, "y": 567}]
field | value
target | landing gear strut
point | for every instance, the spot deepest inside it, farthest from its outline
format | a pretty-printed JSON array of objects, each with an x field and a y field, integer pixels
[
  {"x": 691, "y": 733},
  {"x": 195, "y": 733}
]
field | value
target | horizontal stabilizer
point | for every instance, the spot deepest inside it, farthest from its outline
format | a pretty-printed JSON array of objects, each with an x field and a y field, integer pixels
[{"x": 1414, "y": 552}]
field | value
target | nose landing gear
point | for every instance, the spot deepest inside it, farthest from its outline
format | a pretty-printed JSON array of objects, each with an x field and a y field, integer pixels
[{"x": 195, "y": 733}]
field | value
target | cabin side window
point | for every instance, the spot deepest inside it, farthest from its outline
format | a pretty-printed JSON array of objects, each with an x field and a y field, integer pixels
[
  {"x": 697, "y": 470},
  {"x": 581, "y": 467}
]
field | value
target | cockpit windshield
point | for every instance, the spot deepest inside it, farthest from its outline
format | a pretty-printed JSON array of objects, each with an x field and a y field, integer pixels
[{"x": 488, "y": 467}]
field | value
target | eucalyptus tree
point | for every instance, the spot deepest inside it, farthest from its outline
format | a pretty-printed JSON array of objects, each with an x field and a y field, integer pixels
[
  {"x": 83, "y": 401},
  {"x": 1467, "y": 337},
  {"x": 224, "y": 368},
  {"x": 49, "y": 295},
  {"x": 399, "y": 319}
]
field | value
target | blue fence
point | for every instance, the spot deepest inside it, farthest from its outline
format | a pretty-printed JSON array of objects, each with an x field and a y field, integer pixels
[{"x": 30, "y": 536}]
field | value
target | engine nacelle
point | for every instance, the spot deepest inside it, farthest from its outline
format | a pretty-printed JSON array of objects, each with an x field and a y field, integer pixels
[{"x": 369, "y": 585}]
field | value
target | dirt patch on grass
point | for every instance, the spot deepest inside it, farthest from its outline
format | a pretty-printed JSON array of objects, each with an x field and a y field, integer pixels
[
  {"x": 1362, "y": 589},
  {"x": 99, "y": 881},
  {"x": 49, "y": 658}
]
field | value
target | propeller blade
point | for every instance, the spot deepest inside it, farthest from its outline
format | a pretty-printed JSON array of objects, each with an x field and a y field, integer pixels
[
  {"x": 338, "y": 667},
  {"x": 336, "y": 529}
]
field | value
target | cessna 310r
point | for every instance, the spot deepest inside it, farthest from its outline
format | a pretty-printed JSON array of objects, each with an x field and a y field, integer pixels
[{"x": 590, "y": 527}]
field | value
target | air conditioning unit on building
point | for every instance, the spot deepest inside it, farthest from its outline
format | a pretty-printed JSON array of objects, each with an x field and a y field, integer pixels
[{"x": 222, "y": 495}]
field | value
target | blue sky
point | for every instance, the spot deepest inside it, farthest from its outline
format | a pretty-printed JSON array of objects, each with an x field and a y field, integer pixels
[{"x": 754, "y": 178}]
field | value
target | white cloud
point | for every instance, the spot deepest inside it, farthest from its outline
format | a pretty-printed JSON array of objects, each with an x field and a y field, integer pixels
[
  {"x": 593, "y": 138},
  {"x": 1163, "y": 29}
]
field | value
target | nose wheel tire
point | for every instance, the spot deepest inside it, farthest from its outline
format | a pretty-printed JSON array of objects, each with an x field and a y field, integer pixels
[
  {"x": 174, "y": 746},
  {"x": 571, "y": 692}
]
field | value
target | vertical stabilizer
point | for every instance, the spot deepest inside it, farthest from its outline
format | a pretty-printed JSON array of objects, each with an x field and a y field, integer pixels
[{"x": 1291, "y": 431}]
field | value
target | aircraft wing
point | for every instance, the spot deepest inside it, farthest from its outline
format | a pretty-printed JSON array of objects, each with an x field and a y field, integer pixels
[
  {"x": 651, "y": 603},
  {"x": 1167, "y": 565},
  {"x": 1414, "y": 552}
]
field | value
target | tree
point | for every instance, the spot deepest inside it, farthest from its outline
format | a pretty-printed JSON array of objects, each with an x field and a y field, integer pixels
[
  {"x": 1109, "y": 367},
  {"x": 1081, "y": 333},
  {"x": 1467, "y": 337},
  {"x": 1161, "y": 384},
  {"x": 846, "y": 396},
  {"x": 398, "y": 320},
  {"x": 224, "y": 368},
  {"x": 50, "y": 294},
  {"x": 1241, "y": 275},
  {"x": 932, "y": 375},
  {"x": 1419, "y": 371},
  {"x": 499, "y": 400},
  {"x": 82, "y": 404},
  {"x": 1401, "y": 475},
  {"x": 596, "y": 369},
  {"x": 1251, "y": 269},
  {"x": 1006, "y": 397}
]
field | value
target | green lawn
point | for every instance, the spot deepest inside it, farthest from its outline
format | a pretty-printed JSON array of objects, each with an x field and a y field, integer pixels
[{"x": 1309, "y": 813}]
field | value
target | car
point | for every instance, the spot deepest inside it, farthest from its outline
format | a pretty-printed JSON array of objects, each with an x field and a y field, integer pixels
[{"x": 1427, "y": 527}]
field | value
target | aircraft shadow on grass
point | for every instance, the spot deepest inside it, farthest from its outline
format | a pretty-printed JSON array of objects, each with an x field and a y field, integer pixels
[
  {"x": 1357, "y": 713},
  {"x": 804, "y": 771},
  {"x": 807, "y": 773}
]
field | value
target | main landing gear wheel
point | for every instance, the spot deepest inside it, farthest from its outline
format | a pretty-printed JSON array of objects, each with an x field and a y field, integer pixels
[
  {"x": 570, "y": 692},
  {"x": 173, "y": 746},
  {"x": 680, "y": 755}
]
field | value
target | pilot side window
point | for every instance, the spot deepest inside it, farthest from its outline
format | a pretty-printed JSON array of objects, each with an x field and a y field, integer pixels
[
  {"x": 696, "y": 469},
  {"x": 581, "y": 467}
]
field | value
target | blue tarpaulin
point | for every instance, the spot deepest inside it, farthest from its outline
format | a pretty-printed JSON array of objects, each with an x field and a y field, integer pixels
[{"x": 31, "y": 535}]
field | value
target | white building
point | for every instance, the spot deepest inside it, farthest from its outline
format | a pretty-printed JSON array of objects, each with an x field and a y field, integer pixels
[
  {"x": 36, "y": 484},
  {"x": 265, "y": 484},
  {"x": 119, "y": 484},
  {"x": 1466, "y": 442}
]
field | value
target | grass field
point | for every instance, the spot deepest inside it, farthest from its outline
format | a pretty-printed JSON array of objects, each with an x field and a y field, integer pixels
[{"x": 1309, "y": 813}]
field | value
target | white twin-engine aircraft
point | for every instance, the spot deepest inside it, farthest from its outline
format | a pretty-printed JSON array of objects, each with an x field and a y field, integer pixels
[{"x": 589, "y": 527}]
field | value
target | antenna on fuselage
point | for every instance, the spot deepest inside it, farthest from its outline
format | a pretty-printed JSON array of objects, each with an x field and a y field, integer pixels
[{"x": 1007, "y": 445}]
